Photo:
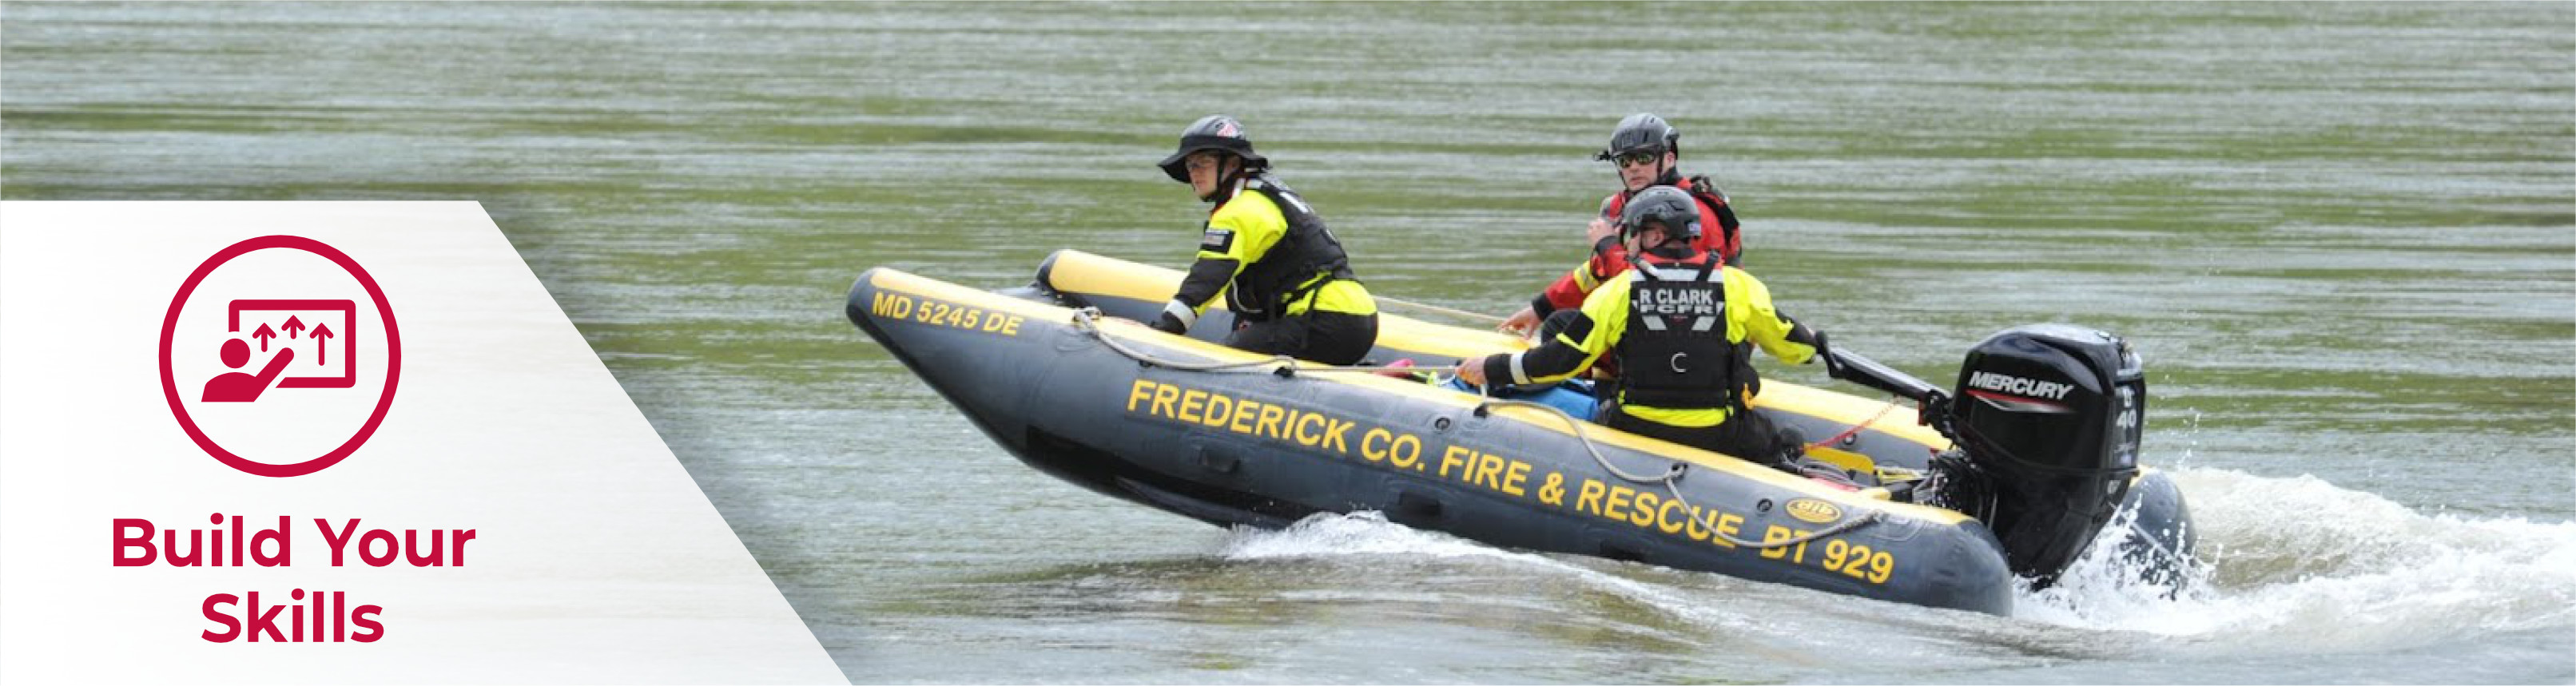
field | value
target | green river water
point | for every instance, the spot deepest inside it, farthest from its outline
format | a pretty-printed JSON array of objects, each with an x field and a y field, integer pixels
[{"x": 2342, "y": 235}]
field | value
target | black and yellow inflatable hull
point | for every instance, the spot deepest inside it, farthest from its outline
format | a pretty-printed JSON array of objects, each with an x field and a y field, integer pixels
[{"x": 1265, "y": 449}]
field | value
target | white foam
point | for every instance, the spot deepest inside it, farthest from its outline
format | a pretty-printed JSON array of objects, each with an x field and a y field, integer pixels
[
  {"x": 2283, "y": 562},
  {"x": 2300, "y": 562},
  {"x": 1370, "y": 535},
  {"x": 1356, "y": 534}
]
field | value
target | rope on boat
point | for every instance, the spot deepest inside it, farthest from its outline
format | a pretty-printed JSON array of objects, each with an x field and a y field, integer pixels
[
  {"x": 1088, "y": 320},
  {"x": 1427, "y": 307},
  {"x": 1856, "y": 428},
  {"x": 1671, "y": 480}
]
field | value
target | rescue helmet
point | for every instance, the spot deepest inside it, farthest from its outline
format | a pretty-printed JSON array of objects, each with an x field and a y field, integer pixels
[
  {"x": 1212, "y": 132},
  {"x": 1670, "y": 208},
  {"x": 1641, "y": 132}
]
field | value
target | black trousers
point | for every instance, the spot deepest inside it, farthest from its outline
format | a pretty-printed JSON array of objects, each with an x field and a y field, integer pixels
[
  {"x": 1745, "y": 434},
  {"x": 1336, "y": 338}
]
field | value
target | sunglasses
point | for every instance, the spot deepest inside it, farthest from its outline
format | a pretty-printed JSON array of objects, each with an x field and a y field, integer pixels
[{"x": 1640, "y": 158}]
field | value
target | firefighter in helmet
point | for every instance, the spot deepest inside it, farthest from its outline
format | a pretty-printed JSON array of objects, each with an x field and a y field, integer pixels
[{"x": 1263, "y": 248}]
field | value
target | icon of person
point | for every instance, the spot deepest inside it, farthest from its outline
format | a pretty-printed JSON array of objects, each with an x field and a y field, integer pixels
[{"x": 242, "y": 387}]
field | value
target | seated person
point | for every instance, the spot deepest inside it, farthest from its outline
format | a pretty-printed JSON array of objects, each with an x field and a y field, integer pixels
[
  {"x": 1684, "y": 326},
  {"x": 1644, "y": 152},
  {"x": 1282, "y": 273}
]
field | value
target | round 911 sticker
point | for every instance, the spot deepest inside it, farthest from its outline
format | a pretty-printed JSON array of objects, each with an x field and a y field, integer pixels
[{"x": 279, "y": 356}]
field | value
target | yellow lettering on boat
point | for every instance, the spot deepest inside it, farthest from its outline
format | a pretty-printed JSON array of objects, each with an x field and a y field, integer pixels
[
  {"x": 1405, "y": 452},
  {"x": 1192, "y": 401},
  {"x": 1731, "y": 525},
  {"x": 1666, "y": 522},
  {"x": 1268, "y": 425},
  {"x": 1453, "y": 456},
  {"x": 1775, "y": 534},
  {"x": 1616, "y": 507},
  {"x": 900, "y": 307},
  {"x": 1337, "y": 433},
  {"x": 1139, "y": 392},
  {"x": 1643, "y": 515},
  {"x": 890, "y": 305},
  {"x": 1309, "y": 439},
  {"x": 1219, "y": 409},
  {"x": 1164, "y": 397},
  {"x": 1516, "y": 478}
]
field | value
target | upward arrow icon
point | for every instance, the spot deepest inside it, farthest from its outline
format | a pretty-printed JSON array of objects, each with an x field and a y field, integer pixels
[{"x": 321, "y": 343}]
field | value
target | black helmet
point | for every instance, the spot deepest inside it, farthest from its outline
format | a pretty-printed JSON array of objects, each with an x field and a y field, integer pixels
[
  {"x": 1212, "y": 132},
  {"x": 1641, "y": 132},
  {"x": 1671, "y": 207}
]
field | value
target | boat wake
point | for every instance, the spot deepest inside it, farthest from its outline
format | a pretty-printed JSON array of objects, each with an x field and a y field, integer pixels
[
  {"x": 1368, "y": 538},
  {"x": 2300, "y": 560},
  {"x": 2283, "y": 562}
]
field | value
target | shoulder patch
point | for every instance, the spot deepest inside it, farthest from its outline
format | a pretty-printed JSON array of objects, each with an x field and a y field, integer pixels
[{"x": 1217, "y": 240}]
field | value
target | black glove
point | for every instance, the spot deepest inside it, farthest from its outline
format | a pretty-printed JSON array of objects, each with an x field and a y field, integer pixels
[
  {"x": 1935, "y": 412},
  {"x": 1604, "y": 245},
  {"x": 1171, "y": 324}
]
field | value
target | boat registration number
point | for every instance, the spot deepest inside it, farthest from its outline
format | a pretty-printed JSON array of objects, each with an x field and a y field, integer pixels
[{"x": 899, "y": 306}]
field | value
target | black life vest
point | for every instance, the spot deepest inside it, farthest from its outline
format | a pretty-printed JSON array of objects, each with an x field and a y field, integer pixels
[
  {"x": 1263, "y": 290},
  {"x": 1675, "y": 353}
]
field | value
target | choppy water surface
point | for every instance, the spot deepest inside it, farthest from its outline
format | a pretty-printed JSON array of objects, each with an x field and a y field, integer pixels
[{"x": 2344, "y": 236}]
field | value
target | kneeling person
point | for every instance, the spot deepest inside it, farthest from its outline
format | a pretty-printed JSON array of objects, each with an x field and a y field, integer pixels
[
  {"x": 1683, "y": 326},
  {"x": 1283, "y": 274}
]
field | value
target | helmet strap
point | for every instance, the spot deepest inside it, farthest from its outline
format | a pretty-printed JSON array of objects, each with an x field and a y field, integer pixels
[{"x": 1228, "y": 181}]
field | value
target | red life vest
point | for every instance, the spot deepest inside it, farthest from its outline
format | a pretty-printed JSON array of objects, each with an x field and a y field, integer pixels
[{"x": 1725, "y": 242}]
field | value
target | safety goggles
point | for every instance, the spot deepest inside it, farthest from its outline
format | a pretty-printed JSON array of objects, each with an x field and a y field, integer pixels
[{"x": 1639, "y": 158}]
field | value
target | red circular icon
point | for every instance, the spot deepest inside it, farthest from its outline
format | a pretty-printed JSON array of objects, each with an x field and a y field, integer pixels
[{"x": 170, "y": 387}]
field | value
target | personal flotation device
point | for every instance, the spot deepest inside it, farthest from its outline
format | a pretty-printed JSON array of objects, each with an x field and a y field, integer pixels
[
  {"x": 1263, "y": 290},
  {"x": 1676, "y": 351},
  {"x": 1726, "y": 242}
]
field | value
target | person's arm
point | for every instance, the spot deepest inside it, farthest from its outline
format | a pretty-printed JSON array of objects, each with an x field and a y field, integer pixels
[
  {"x": 1750, "y": 304},
  {"x": 276, "y": 365},
  {"x": 1608, "y": 261},
  {"x": 1568, "y": 291},
  {"x": 1573, "y": 350},
  {"x": 1207, "y": 277},
  {"x": 1236, "y": 235}
]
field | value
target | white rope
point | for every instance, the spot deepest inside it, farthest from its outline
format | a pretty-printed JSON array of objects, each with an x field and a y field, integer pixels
[{"x": 1671, "y": 479}]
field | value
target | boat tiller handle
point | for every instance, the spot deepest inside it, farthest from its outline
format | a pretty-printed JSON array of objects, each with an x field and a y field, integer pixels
[{"x": 1852, "y": 367}]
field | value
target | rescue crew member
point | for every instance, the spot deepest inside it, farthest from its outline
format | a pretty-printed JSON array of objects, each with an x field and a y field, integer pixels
[
  {"x": 1646, "y": 152},
  {"x": 1281, "y": 272},
  {"x": 1684, "y": 325}
]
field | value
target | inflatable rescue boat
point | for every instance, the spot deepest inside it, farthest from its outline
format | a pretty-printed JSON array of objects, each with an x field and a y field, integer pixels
[{"x": 2029, "y": 457}]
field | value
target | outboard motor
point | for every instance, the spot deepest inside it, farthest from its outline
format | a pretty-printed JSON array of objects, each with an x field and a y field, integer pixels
[{"x": 2048, "y": 419}]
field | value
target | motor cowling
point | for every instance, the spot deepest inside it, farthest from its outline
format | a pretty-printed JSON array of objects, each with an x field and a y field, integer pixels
[{"x": 2049, "y": 417}]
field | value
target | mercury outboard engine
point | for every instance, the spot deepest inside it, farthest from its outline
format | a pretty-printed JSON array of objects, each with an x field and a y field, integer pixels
[{"x": 2048, "y": 419}]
